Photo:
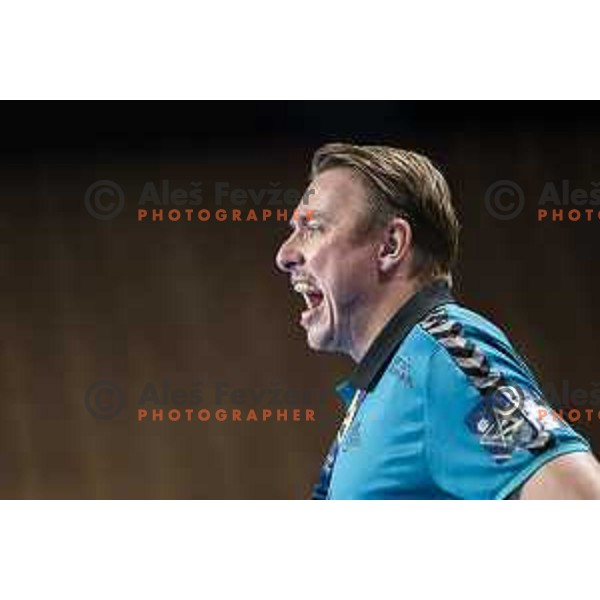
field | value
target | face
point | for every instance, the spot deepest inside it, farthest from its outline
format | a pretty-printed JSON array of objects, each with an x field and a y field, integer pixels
[{"x": 329, "y": 263}]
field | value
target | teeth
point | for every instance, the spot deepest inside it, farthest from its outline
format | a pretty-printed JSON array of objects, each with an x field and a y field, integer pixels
[{"x": 304, "y": 288}]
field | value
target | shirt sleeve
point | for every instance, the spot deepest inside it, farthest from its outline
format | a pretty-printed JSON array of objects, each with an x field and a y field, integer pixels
[{"x": 488, "y": 432}]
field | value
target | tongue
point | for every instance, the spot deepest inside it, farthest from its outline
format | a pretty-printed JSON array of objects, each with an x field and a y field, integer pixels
[{"x": 314, "y": 299}]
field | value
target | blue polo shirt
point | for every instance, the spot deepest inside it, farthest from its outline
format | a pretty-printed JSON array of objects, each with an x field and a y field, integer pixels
[{"x": 441, "y": 407}]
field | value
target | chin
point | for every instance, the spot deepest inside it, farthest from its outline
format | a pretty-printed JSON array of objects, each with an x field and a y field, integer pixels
[{"x": 319, "y": 343}]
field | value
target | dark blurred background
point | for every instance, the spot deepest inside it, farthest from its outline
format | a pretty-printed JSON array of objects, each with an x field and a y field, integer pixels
[{"x": 199, "y": 305}]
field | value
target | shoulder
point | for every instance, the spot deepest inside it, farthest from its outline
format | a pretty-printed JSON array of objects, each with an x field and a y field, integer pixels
[
  {"x": 462, "y": 343},
  {"x": 453, "y": 325},
  {"x": 476, "y": 347}
]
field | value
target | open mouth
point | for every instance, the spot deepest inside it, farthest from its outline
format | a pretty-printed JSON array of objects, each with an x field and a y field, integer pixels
[{"x": 312, "y": 295}]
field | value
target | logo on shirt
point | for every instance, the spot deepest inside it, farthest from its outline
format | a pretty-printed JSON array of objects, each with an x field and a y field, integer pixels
[
  {"x": 401, "y": 368},
  {"x": 506, "y": 420}
]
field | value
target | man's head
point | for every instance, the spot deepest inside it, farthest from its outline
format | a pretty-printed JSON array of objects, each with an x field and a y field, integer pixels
[{"x": 375, "y": 224}]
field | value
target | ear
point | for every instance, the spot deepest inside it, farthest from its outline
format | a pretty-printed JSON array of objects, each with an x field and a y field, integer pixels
[{"x": 395, "y": 244}]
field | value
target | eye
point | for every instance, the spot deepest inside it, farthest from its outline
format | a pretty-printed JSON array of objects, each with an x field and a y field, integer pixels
[
  {"x": 306, "y": 228},
  {"x": 312, "y": 226}
]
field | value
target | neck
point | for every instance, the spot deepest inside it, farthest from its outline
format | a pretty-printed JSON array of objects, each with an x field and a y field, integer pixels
[{"x": 379, "y": 314}]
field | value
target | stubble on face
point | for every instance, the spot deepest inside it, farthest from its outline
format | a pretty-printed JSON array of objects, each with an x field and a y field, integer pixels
[{"x": 340, "y": 260}]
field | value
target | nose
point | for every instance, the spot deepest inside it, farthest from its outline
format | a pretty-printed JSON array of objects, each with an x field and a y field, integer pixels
[{"x": 289, "y": 255}]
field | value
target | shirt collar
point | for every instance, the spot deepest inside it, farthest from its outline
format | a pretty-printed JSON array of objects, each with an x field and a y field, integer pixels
[{"x": 369, "y": 370}]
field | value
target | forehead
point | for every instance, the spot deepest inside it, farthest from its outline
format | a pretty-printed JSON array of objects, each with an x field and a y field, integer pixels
[{"x": 338, "y": 192}]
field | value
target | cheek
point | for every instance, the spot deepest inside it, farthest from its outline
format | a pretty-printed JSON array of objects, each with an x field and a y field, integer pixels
[{"x": 347, "y": 274}]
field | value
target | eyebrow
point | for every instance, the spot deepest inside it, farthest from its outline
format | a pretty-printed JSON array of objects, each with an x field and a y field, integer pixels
[{"x": 314, "y": 214}]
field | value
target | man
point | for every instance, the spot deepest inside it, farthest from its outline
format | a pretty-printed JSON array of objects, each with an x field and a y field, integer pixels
[{"x": 439, "y": 405}]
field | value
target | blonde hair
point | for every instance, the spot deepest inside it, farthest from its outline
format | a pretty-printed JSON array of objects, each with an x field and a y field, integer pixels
[{"x": 406, "y": 184}]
